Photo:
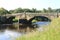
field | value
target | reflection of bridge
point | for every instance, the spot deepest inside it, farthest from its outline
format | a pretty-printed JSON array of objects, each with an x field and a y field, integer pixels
[{"x": 30, "y": 15}]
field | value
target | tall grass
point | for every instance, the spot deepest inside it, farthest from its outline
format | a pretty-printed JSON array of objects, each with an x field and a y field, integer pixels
[{"x": 51, "y": 32}]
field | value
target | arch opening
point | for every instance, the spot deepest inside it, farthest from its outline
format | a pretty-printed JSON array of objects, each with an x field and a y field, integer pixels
[{"x": 39, "y": 18}]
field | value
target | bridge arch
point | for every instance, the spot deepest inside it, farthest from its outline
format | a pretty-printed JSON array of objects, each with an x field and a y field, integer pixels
[{"x": 39, "y": 18}]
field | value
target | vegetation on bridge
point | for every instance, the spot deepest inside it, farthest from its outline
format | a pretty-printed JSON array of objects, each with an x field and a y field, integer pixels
[{"x": 51, "y": 32}]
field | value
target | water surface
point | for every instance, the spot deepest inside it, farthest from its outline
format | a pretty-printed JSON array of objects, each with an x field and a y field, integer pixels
[
  {"x": 9, "y": 35},
  {"x": 12, "y": 35}
]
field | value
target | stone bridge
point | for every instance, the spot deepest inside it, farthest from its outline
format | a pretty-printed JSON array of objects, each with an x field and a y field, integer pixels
[{"x": 31, "y": 15}]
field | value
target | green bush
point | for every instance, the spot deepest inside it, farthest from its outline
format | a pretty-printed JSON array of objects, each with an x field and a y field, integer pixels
[{"x": 51, "y": 32}]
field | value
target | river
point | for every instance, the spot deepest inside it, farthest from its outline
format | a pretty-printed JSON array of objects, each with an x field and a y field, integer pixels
[
  {"x": 9, "y": 35},
  {"x": 12, "y": 35}
]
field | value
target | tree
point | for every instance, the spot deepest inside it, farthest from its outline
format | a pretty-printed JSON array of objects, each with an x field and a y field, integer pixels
[
  {"x": 26, "y": 10},
  {"x": 4, "y": 11},
  {"x": 18, "y": 10},
  {"x": 34, "y": 10},
  {"x": 44, "y": 10},
  {"x": 57, "y": 10},
  {"x": 38, "y": 11},
  {"x": 50, "y": 10},
  {"x": 11, "y": 11}
]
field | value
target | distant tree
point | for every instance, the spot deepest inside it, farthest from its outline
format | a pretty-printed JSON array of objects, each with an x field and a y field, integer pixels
[
  {"x": 18, "y": 10},
  {"x": 38, "y": 11},
  {"x": 4, "y": 11},
  {"x": 44, "y": 10},
  {"x": 26, "y": 10},
  {"x": 57, "y": 10},
  {"x": 34, "y": 10},
  {"x": 50, "y": 10},
  {"x": 11, "y": 11}
]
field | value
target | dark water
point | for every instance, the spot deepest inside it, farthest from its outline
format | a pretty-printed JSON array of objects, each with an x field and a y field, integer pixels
[{"x": 12, "y": 35}]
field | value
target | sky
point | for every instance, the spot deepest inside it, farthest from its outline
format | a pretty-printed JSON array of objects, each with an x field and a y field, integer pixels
[{"x": 38, "y": 4}]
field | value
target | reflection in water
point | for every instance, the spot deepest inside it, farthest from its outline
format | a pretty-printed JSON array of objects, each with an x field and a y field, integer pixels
[
  {"x": 12, "y": 35},
  {"x": 41, "y": 24},
  {"x": 9, "y": 35}
]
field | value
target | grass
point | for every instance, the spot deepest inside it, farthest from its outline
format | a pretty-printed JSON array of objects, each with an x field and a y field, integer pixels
[{"x": 51, "y": 32}]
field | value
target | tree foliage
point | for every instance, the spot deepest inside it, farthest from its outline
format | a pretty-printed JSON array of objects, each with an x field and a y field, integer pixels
[
  {"x": 3, "y": 11},
  {"x": 44, "y": 10},
  {"x": 18, "y": 10},
  {"x": 50, "y": 10},
  {"x": 33, "y": 10}
]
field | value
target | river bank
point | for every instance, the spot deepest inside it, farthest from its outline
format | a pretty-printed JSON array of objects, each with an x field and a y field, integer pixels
[{"x": 50, "y": 32}]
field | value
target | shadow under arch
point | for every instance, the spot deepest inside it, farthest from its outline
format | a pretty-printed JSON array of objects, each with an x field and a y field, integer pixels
[{"x": 40, "y": 18}]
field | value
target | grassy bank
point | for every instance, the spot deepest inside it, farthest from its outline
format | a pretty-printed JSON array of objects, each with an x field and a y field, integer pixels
[{"x": 51, "y": 32}]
